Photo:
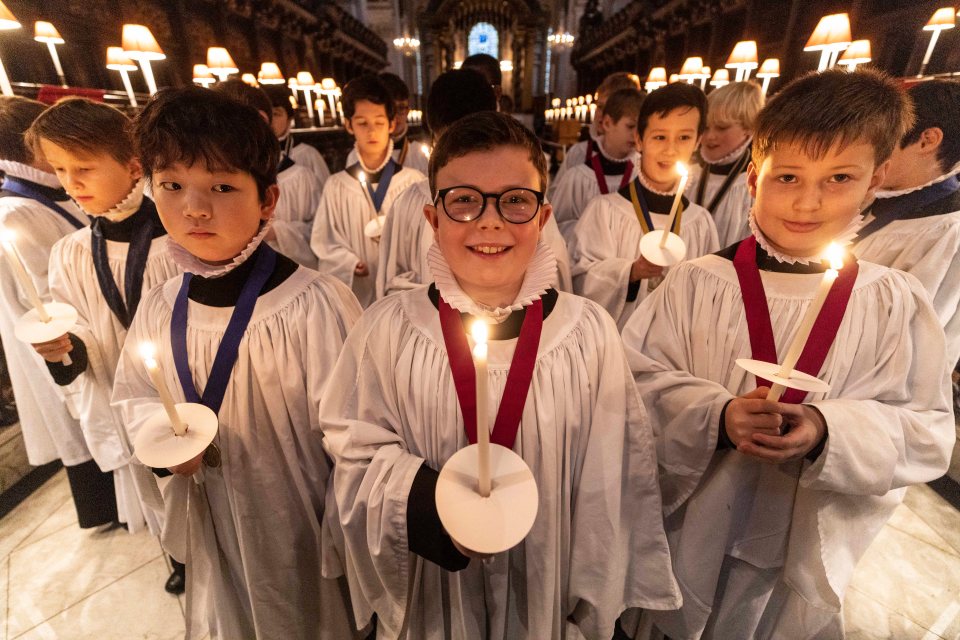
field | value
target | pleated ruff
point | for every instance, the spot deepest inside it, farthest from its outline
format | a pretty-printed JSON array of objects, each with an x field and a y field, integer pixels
[
  {"x": 254, "y": 529},
  {"x": 585, "y": 436}
]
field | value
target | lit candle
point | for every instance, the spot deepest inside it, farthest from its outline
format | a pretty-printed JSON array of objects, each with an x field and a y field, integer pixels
[
  {"x": 682, "y": 170},
  {"x": 319, "y": 105},
  {"x": 593, "y": 111},
  {"x": 479, "y": 332},
  {"x": 835, "y": 255},
  {"x": 13, "y": 258},
  {"x": 148, "y": 353}
]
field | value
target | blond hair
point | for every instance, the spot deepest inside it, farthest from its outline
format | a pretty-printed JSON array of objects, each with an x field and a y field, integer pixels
[{"x": 736, "y": 103}]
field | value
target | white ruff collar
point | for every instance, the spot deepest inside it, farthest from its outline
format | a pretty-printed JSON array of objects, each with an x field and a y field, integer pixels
[
  {"x": 536, "y": 282},
  {"x": 192, "y": 264},
  {"x": 902, "y": 192},
  {"x": 731, "y": 157},
  {"x": 649, "y": 187},
  {"x": 382, "y": 165},
  {"x": 603, "y": 152},
  {"x": 844, "y": 239},
  {"x": 25, "y": 171},
  {"x": 125, "y": 208}
]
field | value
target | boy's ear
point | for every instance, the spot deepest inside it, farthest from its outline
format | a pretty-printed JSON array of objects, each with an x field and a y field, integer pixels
[
  {"x": 269, "y": 202},
  {"x": 135, "y": 168},
  {"x": 931, "y": 139},
  {"x": 752, "y": 175},
  {"x": 431, "y": 214},
  {"x": 879, "y": 175},
  {"x": 546, "y": 210},
  {"x": 348, "y": 126},
  {"x": 393, "y": 124}
]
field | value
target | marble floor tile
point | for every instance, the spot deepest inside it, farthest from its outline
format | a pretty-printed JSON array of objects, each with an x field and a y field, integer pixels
[
  {"x": 908, "y": 576},
  {"x": 61, "y": 569},
  {"x": 64, "y": 516},
  {"x": 867, "y": 619},
  {"x": 17, "y": 525},
  {"x": 936, "y": 512},
  {"x": 905, "y": 520},
  {"x": 132, "y": 607}
]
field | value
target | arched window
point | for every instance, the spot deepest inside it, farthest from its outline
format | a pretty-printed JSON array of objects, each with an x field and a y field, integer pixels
[{"x": 483, "y": 38}]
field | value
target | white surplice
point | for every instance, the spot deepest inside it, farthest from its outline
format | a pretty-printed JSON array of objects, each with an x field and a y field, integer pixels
[
  {"x": 575, "y": 155},
  {"x": 293, "y": 218},
  {"x": 597, "y": 544},
  {"x": 49, "y": 430},
  {"x": 252, "y": 534},
  {"x": 338, "y": 239},
  {"x": 731, "y": 213},
  {"x": 787, "y": 535},
  {"x": 73, "y": 280},
  {"x": 606, "y": 241},
  {"x": 929, "y": 249},
  {"x": 306, "y": 155},
  {"x": 577, "y": 188}
]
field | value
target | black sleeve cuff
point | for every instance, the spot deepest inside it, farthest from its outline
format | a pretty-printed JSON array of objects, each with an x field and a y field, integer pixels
[
  {"x": 723, "y": 440},
  {"x": 814, "y": 453},
  {"x": 425, "y": 534},
  {"x": 633, "y": 290},
  {"x": 64, "y": 375},
  {"x": 161, "y": 473}
]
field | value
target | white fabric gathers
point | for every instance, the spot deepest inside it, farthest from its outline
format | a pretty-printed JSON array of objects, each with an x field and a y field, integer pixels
[
  {"x": 605, "y": 242},
  {"x": 307, "y": 156},
  {"x": 597, "y": 544},
  {"x": 48, "y": 422},
  {"x": 731, "y": 213},
  {"x": 929, "y": 249},
  {"x": 576, "y": 190},
  {"x": 802, "y": 528},
  {"x": 73, "y": 280},
  {"x": 405, "y": 240},
  {"x": 252, "y": 534},
  {"x": 338, "y": 239},
  {"x": 293, "y": 218}
]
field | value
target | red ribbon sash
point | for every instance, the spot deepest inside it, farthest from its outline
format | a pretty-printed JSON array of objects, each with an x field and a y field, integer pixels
[
  {"x": 602, "y": 178},
  {"x": 825, "y": 327},
  {"x": 518, "y": 380}
]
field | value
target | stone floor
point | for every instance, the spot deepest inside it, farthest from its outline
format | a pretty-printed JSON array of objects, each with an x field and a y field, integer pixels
[{"x": 57, "y": 581}]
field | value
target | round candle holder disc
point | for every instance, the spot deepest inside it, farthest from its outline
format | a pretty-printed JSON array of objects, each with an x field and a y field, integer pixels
[
  {"x": 673, "y": 252},
  {"x": 374, "y": 228},
  {"x": 770, "y": 370},
  {"x": 501, "y": 520},
  {"x": 31, "y": 329},
  {"x": 157, "y": 446}
]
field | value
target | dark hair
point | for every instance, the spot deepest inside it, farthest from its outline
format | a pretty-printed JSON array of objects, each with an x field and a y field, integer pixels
[
  {"x": 16, "y": 116},
  {"x": 279, "y": 96},
  {"x": 456, "y": 94},
  {"x": 192, "y": 125},
  {"x": 485, "y": 131},
  {"x": 245, "y": 94},
  {"x": 937, "y": 104},
  {"x": 625, "y": 103},
  {"x": 487, "y": 66},
  {"x": 82, "y": 125},
  {"x": 678, "y": 95},
  {"x": 395, "y": 85},
  {"x": 819, "y": 110},
  {"x": 366, "y": 87}
]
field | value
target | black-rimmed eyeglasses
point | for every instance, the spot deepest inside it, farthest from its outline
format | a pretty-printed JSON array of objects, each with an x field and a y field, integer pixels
[{"x": 463, "y": 204}]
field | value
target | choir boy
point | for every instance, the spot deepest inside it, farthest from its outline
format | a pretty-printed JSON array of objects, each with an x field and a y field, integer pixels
[
  {"x": 605, "y": 242},
  {"x": 393, "y": 419},
  {"x": 103, "y": 271},
  {"x": 719, "y": 182},
  {"x": 253, "y": 336},
  {"x": 770, "y": 504},
  {"x": 362, "y": 192},
  {"x": 612, "y": 167},
  {"x": 582, "y": 151},
  {"x": 281, "y": 121},
  {"x": 34, "y": 206}
]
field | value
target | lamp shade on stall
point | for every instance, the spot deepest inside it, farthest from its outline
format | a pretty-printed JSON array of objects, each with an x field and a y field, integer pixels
[
  {"x": 656, "y": 78},
  {"x": 202, "y": 75},
  {"x": 47, "y": 33},
  {"x": 270, "y": 74},
  {"x": 305, "y": 79},
  {"x": 139, "y": 44},
  {"x": 743, "y": 58},
  {"x": 830, "y": 37},
  {"x": 328, "y": 84},
  {"x": 691, "y": 68},
  {"x": 250, "y": 79},
  {"x": 7, "y": 19},
  {"x": 117, "y": 60},
  {"x": 769, "y": 70},
  {"x": 941, "y": 20},
  {"x": 721, "y": 78},
  {"x": 857, "y": 53},
  {"x": 220, "y": 62}
]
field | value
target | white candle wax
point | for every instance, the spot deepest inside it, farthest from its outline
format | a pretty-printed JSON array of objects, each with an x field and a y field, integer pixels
[
  {"x": 308, "y": 98},
  {"x": 682, "y": 170},
  {"x": 13, "y": 258},
  {"x": 156, "y": 377},
  {"x": 479, "y": 331}
]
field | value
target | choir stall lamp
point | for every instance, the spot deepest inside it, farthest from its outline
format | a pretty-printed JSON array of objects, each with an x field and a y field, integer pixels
[
  {"x": 856, "y": 54},
  {"x": 328, "y": 87},
  {"x": 7, "y": 22},
  {"x": 769, "y": 70},
  {"x": 941, "y": 20},
  {"x": 140, "y": 45},
  {"x": 831, "y": 36},
  {"x": 703, "y": 76},
  {"x": 656, "y": 79},
  {"x": 202, "y": 76},
  {"x": 721, "y": 78},
  {"x": 270, "y": 74},
  {"x": 117, "y": 60},
  {"x": 250, "y": 79},
  {"x": 305, "y": 83},
  {"x": 46, "y": 33},
  {"x": 220, "y": 63},
  {"x": 744, "y": 59},
  {"x": 690, "y": 71}
]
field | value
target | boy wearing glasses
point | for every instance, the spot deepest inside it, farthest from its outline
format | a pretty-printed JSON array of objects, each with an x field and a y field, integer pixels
[{"x": 582, "y": 428}]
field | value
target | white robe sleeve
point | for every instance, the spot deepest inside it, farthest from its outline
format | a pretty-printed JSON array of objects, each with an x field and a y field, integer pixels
[
  {"x": 331, "y": 236},
  {"x": 573, "y": 192},
  {"x": 293, "y": 217},
  {"x": 306, "y": 155},
  {"x": 405, "y": 232},
  {"x": 576, "y": 155}
]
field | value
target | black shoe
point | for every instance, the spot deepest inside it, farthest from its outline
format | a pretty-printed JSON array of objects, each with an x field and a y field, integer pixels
[{"x": 176, "y": 584}]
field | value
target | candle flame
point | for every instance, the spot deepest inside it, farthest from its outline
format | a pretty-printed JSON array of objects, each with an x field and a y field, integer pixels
[
  {"x": 834, "y": 253},
  {"x": 681, "y": 169},
  {"x": 148, "y": 351},
  {"x": 426, "y": 150},
  {"x": 479, "y": 332},
  {"x": 362, "y": 177},
  {"x": 7, "y": 236}
]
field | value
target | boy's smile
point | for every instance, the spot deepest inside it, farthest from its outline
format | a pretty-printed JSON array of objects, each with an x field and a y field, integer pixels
[{"x": 666, "y": 140}]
